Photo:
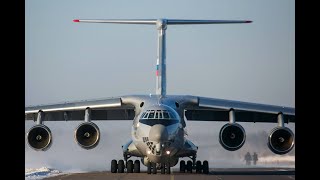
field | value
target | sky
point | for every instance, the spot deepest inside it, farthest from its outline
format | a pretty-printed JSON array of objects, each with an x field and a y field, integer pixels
[{"x": 67, "y": 61}]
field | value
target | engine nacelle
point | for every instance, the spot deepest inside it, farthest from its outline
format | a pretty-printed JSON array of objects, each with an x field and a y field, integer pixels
[
  {"x": 87, "y": 135},
  {"x": 39, "y": 137},
  {"x": 281, "y": 140},
  {"x": 232, "y": 136}
]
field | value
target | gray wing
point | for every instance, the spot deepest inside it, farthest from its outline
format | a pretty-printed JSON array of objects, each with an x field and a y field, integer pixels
[
  {"x": 101, "y": 109},
  {"x": 211, "y": 109}
]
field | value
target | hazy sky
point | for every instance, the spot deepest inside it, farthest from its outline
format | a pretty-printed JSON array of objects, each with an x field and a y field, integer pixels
[{"x": 68, "y": 61}]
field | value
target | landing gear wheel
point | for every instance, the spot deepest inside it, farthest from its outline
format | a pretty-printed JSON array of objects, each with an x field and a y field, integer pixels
[
  {"x": 168, "y": 168},
  {"x": 205, "y": 167},
  {"x": 130, "y": 166},
  {"x": 114, "y": 166},
  {"x": 163, "y": 168},
  {"x": 154, "y": 168},
  {"x": 182, "y": 166},
  {"x": 149, "y": 168},
  {"x": 120, "y": 166},
  {"x": 136, "y": 166},
  {"x": 189, "y": 166},
  {"x": 198, "y": 167}
]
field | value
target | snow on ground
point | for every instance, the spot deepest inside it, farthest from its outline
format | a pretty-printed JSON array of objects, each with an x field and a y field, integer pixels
[{"x": 40, "y": 173}]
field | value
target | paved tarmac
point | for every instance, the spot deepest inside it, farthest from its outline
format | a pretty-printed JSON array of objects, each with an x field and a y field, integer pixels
[{"x": 215, "y": 174}]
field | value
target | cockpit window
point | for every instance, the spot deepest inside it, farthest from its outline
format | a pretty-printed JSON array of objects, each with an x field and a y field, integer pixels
[
  {"x": 151, "y": 115},
  {"x": 145, "y": 115},
  {"x": 164, "y": 117}
]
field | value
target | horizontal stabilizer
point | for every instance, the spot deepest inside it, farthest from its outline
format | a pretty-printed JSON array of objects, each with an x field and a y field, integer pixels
[{"x": 154, "y": 21}]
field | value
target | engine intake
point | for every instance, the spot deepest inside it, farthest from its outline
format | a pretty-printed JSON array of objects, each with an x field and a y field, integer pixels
[
  {"x": 87, "y": 135},
  {"x": 232, "y": 136},
  {"x": 281, "y": 140},
  {"x": 39, "y": 137}
]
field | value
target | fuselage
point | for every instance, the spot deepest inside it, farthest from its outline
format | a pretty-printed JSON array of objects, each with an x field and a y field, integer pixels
[
  {"x": 158, "y": 133},
  {"x": 158, "y": 129}
]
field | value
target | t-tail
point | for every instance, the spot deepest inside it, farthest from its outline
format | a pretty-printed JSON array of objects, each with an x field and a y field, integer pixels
[{"x": 161, "y": 24}]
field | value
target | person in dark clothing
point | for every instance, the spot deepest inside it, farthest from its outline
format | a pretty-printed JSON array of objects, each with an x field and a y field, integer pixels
[
  {"x": 248, "y": 158},
  {"x": 255, "y": 158}
]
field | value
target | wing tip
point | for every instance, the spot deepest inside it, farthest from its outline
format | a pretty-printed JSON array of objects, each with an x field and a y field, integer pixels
[
  {"x": 248, "y": 21},
  {"x": 76, "y": 20}
]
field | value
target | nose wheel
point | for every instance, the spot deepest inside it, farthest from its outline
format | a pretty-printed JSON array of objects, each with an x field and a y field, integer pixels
[{"x": 164, "y": 168}]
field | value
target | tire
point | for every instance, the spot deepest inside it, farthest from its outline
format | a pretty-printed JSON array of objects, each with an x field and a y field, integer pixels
[
  {"x": 130, "y": 166},
  {"x": 149, "y": 168},
  {"x": 136, "y": 166},
  {"x": 154, "y": 168},
  {"x": 163, "y": 168},
  {"x": 114, "y": 166},
  {"x": 205, "y": 167},
  {"x": 168, "y": 168},
  {"x": 198, "y": 167},
  {"x": 120, "y": 166},
  {"x": 189, "y": 167},
  {"x": 182, "y": 166}
]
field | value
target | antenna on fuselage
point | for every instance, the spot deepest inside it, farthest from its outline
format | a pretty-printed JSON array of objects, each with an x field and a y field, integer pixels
[{"x": 161, "y": 24}]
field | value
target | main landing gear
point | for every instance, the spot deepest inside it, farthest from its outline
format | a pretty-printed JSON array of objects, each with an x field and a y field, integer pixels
[
  {"x": 120, "y": 166},
  {"x": 200, "y": 168}
]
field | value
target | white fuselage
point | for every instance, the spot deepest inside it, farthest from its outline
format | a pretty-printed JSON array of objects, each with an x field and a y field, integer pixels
[{"x": 158, "y": 133}]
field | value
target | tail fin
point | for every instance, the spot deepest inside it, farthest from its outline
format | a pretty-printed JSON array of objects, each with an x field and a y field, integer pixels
[{"x": 161, "y": 85}]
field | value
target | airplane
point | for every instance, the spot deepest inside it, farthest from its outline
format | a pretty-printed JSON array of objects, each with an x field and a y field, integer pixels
[{"x": 159, "y": 121}]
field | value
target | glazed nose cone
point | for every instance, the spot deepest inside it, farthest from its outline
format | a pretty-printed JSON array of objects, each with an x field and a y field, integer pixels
[{"x": 158, "y": 133}]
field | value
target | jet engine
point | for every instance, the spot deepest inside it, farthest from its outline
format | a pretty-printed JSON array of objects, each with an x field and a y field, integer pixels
[
  {"x": 232, "y": 136},
  {"x": 87, "y": 135},
  {"x": 39, "y": 137},
  {"x": 281, "y": 140}
]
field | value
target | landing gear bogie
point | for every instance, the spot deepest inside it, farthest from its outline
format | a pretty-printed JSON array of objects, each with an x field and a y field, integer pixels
[
  {"x": 197, "y": 166},
  {"x": 121, "y": 166}
]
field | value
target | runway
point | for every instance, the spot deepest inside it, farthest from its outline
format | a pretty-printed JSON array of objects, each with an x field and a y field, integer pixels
[{"x": 215, "y": 174}]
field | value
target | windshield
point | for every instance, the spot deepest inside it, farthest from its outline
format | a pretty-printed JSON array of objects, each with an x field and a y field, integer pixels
[{"x": 164, "y": 117}]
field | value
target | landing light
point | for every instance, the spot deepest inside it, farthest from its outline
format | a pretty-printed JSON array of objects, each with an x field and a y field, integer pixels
[
  {"x": 149, "y": 152},
  {"x": 168, "y": 152}
]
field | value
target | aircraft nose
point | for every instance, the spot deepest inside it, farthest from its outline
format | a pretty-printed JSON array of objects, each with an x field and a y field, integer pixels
[{"x": 158, "y": 133}]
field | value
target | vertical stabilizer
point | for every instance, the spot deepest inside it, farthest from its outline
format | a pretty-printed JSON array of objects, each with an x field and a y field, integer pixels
[{"x": 161, "y": 24}]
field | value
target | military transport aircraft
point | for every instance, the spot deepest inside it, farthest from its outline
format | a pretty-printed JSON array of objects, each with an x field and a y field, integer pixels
[{"x": 158, "y": 134}]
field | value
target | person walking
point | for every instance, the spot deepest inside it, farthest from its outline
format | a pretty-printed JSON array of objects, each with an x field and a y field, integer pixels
[
  {"x": 248, "y": 158},
  {"x": 255, "y": 158}
]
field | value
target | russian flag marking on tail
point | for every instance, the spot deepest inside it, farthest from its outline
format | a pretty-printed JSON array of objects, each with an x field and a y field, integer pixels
[{"x": 157, "y": 71}]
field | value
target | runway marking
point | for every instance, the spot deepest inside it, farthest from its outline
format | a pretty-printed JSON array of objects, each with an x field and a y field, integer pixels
[
  {"x": 291, "y": 177},
  {"x": 172, "y": 177}
]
